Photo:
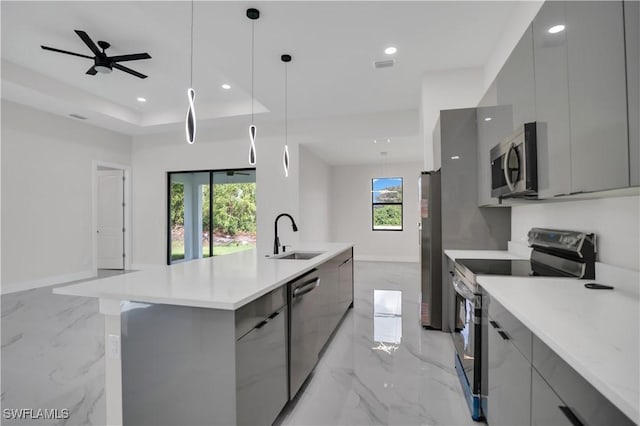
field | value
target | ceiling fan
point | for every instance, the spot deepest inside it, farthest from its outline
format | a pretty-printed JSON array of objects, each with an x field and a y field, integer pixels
[{"x": 102, "y": 62}]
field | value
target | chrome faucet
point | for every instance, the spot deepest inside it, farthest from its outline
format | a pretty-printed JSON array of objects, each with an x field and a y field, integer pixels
[{"x": 276, "y": 241}]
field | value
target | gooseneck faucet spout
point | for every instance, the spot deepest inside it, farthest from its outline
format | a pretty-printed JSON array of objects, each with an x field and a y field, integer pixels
[{"x": 276, "y": 241}]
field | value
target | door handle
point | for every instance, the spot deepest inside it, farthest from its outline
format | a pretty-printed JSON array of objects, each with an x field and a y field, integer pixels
[
  {"x": 306, "y": 288},
  {"x": 575, "y": 421},
  {"x": 503, "y": 335},
  {"x": 505, "y": 168}
]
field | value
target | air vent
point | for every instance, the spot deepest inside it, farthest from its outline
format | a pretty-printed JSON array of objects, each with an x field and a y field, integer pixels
[
  {"x": 79, "y": 117},
  {"x": 384, "y": 64}
]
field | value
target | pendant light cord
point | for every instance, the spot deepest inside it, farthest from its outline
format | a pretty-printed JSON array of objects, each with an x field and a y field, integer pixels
[
  {"x": 191, "y": 72},
  {"x": 252, "y": 67},
  {"x": 286, "y": 98}
]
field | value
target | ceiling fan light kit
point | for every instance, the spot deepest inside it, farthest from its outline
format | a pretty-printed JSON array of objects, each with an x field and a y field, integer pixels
[{"x": 253, "y": 15}]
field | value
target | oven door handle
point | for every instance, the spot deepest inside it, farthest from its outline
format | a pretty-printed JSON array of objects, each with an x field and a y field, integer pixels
[
  {"x": 462, "y": 289},
  {"x": 505, "y": 169}
]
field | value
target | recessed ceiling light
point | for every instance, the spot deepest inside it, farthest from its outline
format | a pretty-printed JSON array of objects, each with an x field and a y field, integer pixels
[
  {"x": 390, "y": 50},
  {"x": 141, "y": 99},
  {"x": 487, "y": 119},
  {"x": 226, "y": 86},
  {"x": 556, "y": 29},
  {"x": 455, "y": 157}
]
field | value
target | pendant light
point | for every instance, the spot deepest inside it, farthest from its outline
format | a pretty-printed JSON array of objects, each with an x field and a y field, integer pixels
[
  {"x": 285, "y": 156},
  {"x": 190, "y": 123},
  {"x": 252, "y": 14}
]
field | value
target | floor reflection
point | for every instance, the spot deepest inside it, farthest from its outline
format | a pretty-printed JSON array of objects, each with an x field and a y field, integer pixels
[{"x": 387, "y": 320}]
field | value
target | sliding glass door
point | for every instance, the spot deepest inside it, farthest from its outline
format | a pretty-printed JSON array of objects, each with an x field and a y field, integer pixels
[{"x": 211, "y": 212}]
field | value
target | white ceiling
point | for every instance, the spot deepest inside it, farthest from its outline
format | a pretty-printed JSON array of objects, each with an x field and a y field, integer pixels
[{"x": 333, "y": 44}]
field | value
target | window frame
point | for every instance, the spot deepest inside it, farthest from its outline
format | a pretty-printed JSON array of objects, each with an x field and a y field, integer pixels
[
  {"x": 374, "y": 204},
  {"x": 168, "y": 211}
]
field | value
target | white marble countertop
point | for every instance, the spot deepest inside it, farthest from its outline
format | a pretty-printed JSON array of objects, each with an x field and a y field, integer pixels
[
  {"x": 480, "y": 254},
  {"x": 221, "y": 282},
  {"x": 595, "y": 331}
]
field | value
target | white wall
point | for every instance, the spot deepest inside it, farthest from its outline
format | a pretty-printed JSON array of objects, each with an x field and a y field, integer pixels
[
  {"x": 47, "y": 194},
  {"x": 351, "y": 211},
  {"x": 615, "y": 221},
  {"x": 450, "y": 89},
  {"x": 154, "y": 155},
  {"x": 315, "y": 199}
]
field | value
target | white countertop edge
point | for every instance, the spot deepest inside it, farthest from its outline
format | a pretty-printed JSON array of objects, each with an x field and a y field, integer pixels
[
  {"x": 454, "y": 254},
  {"x": 627, "y": 407},
  {"x": 90, "y": 288}
]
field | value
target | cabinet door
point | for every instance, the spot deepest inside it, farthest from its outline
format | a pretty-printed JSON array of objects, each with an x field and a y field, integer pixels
[
  {"x": 597, "y": 95},
  {"x": 546, "y": 408},
  {"x": 515, "y": 83},
  {"x": 632, "y": 44},
  {"x": 552, "y": 101},
  {"x": 261, "y": 368},
  {"x": 346, "y": 286},
  {"x": 509, "y": 382}
]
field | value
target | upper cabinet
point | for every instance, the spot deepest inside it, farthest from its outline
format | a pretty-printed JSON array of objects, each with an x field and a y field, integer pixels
[
  {"x": 632, "y": 40},
  {"x": 515, "y": 85},
  {"x": 575, "y": 73},
  {"x": 597, "y": 95},
  {"x": 552, "y": 101}
]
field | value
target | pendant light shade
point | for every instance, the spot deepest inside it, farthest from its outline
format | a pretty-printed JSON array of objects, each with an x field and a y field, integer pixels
[
  {"x": 285, "y": 155},
  {"x": 190, "y": 122},
  {"x": 252, "y": 14},
  {"x": 252, "y": 147}
]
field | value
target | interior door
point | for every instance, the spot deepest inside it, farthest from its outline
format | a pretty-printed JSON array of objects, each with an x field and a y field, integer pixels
[{"x": 110, "y": 219}]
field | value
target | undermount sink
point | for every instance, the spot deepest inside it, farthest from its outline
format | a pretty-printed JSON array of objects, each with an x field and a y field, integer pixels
[{"x": 298, "y": 255}]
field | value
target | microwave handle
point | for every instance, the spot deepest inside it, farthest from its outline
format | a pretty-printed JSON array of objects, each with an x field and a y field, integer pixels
[{"x": 505, "y": 169}]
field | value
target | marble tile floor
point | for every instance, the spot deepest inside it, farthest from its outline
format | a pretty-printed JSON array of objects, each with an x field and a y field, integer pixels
[{"x": 380, "y": 368}]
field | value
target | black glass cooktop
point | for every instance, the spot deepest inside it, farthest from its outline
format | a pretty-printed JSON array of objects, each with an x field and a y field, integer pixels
[{"x": 517, "y": 268}]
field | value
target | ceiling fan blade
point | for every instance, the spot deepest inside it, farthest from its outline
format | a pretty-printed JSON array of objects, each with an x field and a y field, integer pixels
[
  {"x": 133, "y": 57},
  {"x": 53, "y": 49},
  {"x": 92, "y": 71},
  {"x": 90, "y": 44},
  {"x": 129, "y": 70}
]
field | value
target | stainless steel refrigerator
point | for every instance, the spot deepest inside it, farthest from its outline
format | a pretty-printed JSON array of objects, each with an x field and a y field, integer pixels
[{"x": 430, "y": 236}]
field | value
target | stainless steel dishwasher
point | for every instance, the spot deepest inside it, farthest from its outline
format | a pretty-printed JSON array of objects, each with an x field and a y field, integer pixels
[{"x": 305, "y": 323}]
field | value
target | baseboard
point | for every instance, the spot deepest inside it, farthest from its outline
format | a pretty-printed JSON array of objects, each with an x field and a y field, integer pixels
[
  {"x": 366, "y": 258},
  {"x": 45, "y": 282}
]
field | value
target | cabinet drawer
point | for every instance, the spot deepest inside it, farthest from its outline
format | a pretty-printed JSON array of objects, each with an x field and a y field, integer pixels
[
  {"x": 546, "y": 407},
  {"x": 589, "y": 405},
  {"x": 254, "y": 312},
  {"x": 343, "y": 257},
  {"x": 500, "y": 318}
]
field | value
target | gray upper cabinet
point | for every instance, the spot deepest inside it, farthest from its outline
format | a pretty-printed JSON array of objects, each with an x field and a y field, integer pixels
[
  {"x": 552, "y": 101},
  {"x": 632, "y": 40},
  {"x": 515, "y": 84},
  {"x": 597, "y": 96}
]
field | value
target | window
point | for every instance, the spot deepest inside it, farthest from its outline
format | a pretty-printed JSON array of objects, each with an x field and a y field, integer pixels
[
  {"x": 386, "y": 204},
  {"x": 210, "y": 213}
]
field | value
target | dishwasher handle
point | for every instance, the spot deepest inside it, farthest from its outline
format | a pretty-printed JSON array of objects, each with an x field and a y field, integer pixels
[{"x": 305, "y": 288}]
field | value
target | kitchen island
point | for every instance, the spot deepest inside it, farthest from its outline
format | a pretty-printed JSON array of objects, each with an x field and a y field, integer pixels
[{"x": 196, "y": 342}]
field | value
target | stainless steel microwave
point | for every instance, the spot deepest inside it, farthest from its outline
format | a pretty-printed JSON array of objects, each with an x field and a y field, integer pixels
[{"x": 514, "y": 165}]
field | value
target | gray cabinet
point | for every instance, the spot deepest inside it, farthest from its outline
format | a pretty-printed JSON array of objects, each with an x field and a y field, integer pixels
[
  {"x": 547, "y": 409},
  {"x": 552, "y": 101},
  {"x": 261, "y": 371},
  {"x": 632, "y": 45},
  {"x": 509, "y": 370},
  {"x": 345, "y": 272},
  {"x": 515, "y": 84},
  {"x": 597, "y": 95}
]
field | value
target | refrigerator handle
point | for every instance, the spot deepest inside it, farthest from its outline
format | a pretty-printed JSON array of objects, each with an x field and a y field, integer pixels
[{"x": 419, "y": 234}]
